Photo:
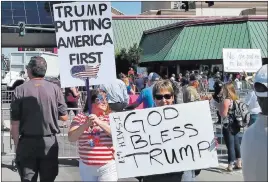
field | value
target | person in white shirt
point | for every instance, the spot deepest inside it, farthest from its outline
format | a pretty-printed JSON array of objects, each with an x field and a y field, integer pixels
[
  {"x": 211, "y": 82},
  {"x": 117, "y": 95},
  {"x": 238, "y": 83},
  {"x": 173, "y": 76},
  {"x": 253, "y": 105},
  {"x": 254, "y": 143}
]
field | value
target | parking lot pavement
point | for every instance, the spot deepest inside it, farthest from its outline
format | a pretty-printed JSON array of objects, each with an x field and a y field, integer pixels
[
  {"x": 208, "y": 175},
  {"x": 69, "y": 171}
]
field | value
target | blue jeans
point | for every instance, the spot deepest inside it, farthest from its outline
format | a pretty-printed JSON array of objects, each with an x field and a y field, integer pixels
[
  {"x": 232, "y": 144},
  {"x": 253, "y": 118}
]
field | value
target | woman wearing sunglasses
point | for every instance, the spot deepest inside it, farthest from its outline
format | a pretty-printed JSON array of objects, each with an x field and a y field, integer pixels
[
  {"x": 93, "y": 134},
  {"x": 163, "y": 95}
]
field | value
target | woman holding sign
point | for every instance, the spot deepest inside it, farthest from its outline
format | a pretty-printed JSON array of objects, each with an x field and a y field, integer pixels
[
  {"x": 163, "y": 95},
  {"x": 93, "y": 134}
]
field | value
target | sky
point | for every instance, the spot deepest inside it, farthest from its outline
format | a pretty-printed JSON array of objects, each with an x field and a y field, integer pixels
[{"x": 128, "y": 8}]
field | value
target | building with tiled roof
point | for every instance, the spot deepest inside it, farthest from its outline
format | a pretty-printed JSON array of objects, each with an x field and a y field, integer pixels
[{"x": 186, "y": 45}]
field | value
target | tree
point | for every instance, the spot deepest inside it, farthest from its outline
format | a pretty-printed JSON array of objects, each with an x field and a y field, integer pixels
[
  {"x": 134, "y": 54},
  {"x": 121, "y": 61},
  {"x": 125, "y": 59}
]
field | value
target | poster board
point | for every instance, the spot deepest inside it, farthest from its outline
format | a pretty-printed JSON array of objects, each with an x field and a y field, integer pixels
[
  {"x": 85, "y": 43},
  {"x": 239, "y": 60},
  {"x": 163, "y": 139}
]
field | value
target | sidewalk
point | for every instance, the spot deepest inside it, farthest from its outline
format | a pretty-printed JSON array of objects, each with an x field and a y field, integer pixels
[{"x": 69, "y": 171}]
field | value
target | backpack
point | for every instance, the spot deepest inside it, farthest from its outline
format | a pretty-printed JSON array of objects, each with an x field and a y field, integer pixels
[{"x": 240, "y": 114}]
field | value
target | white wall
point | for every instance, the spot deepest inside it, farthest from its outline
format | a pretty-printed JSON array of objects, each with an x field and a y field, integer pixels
[
  {"x": 154, "y": 5},
  {"x": 219, "y": 11}
]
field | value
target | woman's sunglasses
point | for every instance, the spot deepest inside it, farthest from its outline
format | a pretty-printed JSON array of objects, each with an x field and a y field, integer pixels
[
  {"x": 100, "y": 99},
  {"x": 160, "y": 97}
]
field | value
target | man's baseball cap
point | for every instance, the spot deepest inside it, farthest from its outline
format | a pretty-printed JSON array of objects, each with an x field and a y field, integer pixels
[
  {"x": 261, "y": 78},
  {"x": 153, "y": 77}
]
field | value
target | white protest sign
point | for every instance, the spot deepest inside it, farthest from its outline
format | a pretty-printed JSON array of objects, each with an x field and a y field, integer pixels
[
  {"x": 163, "y": 139},
  {"x": 239, "y": 60},
  {"x": 85, "y": 43}
]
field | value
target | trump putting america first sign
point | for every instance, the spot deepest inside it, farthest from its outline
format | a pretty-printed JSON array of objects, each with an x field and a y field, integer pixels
[{"x": 85, "y": 43}]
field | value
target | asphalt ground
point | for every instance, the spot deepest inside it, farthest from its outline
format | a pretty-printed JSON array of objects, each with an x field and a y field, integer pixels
[{"x": 69, "y": 171}]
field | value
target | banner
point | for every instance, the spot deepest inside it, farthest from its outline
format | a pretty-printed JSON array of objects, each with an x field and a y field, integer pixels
[
  {"x": 239, "y": 60},
  {"x": 163, "y": 139},
  {"x": 85, "y": 43}
]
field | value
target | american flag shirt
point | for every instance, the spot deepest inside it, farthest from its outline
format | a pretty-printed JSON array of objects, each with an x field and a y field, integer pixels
[{"x": 102, "y": 151}]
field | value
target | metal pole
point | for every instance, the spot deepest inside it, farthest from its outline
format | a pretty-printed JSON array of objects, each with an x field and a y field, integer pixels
[{"x": 30, "y": 28}]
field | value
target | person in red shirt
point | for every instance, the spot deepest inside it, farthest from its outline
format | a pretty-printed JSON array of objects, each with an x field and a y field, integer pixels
[
  {"x": 93, "y": 134},
  {"x": 131, "y": 72}
]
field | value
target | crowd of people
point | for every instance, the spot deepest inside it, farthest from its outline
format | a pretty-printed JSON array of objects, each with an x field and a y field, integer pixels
[{"x": 39, "y": 104}]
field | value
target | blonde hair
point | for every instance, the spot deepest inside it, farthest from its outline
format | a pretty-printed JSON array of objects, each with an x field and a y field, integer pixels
[
  {"x": 163, "y": 85},
  {"x": 230, "y": 90}
]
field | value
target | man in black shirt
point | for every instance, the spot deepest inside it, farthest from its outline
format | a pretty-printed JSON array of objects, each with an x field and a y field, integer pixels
[{"x": 37, "y": 106}]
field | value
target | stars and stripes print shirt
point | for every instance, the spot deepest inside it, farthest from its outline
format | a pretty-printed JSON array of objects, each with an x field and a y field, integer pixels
[{"x": 99, "y": 153}]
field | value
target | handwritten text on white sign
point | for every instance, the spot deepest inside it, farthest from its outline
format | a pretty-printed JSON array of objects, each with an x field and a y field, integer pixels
[
  {"x": 163, "y": 140},
  {"x": 239, "y": 60}
]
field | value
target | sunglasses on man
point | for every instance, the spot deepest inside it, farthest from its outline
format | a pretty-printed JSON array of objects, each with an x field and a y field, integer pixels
[{"x": 160, "y": 97}]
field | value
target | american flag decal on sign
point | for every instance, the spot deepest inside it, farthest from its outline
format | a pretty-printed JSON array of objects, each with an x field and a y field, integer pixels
[{"x": 85, "y": 71}]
